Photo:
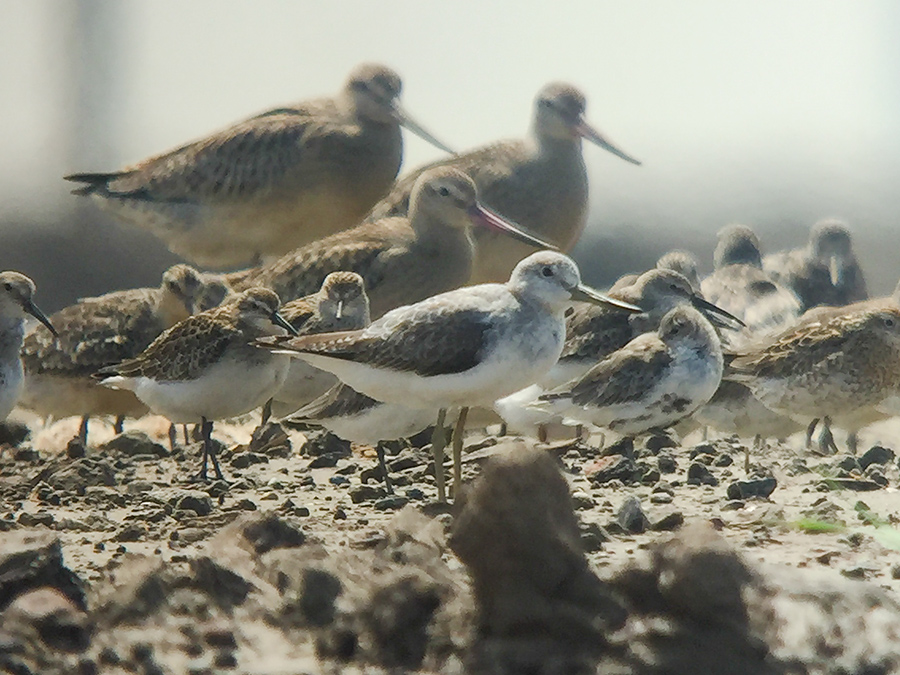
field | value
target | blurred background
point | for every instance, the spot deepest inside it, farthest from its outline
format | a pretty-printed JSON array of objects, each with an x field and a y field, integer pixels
[{"x": 768, "y": 113}]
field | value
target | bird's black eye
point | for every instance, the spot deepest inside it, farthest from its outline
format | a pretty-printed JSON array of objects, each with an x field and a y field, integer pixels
[
  {"x": 547, "y": 271},
  {"x": 889, "y": 322},
  {"x": 7, "y": 286},
  {"x": 673, "y": 287},
  {"x": 545, "y": 103},
  {"x": 444, "y": 191}
]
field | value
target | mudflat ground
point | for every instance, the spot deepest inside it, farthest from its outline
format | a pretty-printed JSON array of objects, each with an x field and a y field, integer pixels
[{"x": 669, "y": 556}]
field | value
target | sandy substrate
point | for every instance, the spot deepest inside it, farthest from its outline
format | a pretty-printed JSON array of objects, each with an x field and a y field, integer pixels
[{"x": 668, "y": 557}]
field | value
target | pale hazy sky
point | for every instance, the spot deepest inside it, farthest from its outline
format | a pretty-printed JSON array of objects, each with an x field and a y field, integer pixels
[{"x": 739, "y": 109}]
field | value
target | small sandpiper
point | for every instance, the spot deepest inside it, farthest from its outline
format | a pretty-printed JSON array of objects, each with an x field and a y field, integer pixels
[
  {"x": 270, "y": 183},
  {"x": 653, "y": 382},
  {"x": 16, "y": 302},
  {"x": 465, "y": 347},
  {"x": 825, "y": 272},
  {"x": 401, "y": 259},
  {"x": 843, "y": 367},
  {"x": 539, "y": 182},
  {"x": 360, "y": 419},
  {"x": 341, "y": 304},
  {"x": 206, "y": 368},
  {"x": 740, "y": 285},
  {"x": 99, "y": 332},
  {"x": 683, "y": 262}
]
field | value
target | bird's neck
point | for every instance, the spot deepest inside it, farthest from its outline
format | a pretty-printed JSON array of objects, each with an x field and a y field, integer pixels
[{"x": 11, "y": 333}]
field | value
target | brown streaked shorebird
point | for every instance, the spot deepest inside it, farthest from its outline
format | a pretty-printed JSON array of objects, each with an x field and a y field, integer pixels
[
  {"x": 466, "y": 347},
  {"x": 825, "y": 271},
  {"x": 652, "y": 382},
  {"x": 341, "y": 304},
  {"x": 739, "y": 284},
  {"x": 401, "y": 259},
  {"x": 539, "y": 182},
  {"x": 271, "y": 183},
  {"x": 683, "y": 262},
  {"x": 99, "y": 332},
  {"x": 206, "y": 368},
  {"x": 593, "y": 333},
  {"x": 16, "y": 302},
  {"x": 845, "y": 367}
]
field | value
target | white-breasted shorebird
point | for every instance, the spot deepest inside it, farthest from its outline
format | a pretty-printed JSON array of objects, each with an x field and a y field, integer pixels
[
  {"x": 739, "y": 284},
  {"x": 99, "y": 332},
  {"x": 683, "y": 262},
  {"x": 271, "y": 183},
  {"x": 341, "y": 304},
  {"x": 465, "y": 347},
  {"x": 361, "y": 419},
  {"x": 842, "y": 366},
  {"x": 825, "y": 271},
  {"x": 401, "y": 259},
  {"x": 539, "y": 182},
  {"x": 16, "y": 303},
  {"x": 653, "y": 382},
  {"x": 207, "y": 368}
]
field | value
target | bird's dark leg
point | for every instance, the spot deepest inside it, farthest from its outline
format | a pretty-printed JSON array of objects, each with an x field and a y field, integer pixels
[
  {"x": 208, "y": 450},
  {"x": 186, "y": 434},
  {"x": 810, "y": 430},
  {"x": 827, "y": 444},
  {"x": 382, "y": 464},
  {"x": 83, "y": 430},
  {"x": 853, "y": 442},
  {"x": 119, "y": 424},
  {"x": 438, "y": 441},
  {"x": 173, "y": 432},
  {"x": 458, "y": 434}
]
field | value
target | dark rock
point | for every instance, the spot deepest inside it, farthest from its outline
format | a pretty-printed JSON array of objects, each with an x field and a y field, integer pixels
[
  {"x": 699, "y": 474},
  {"x": 657, "y": 442},
  {"x": 227, "y": 588},
  {"x": 272, "y": 440},
  {"x": 30, "y": 559},
  {"x": 365, "y": 493},
  {"x": 744, "y": 489},
  {"x": 75, "y": 448},
  {"x": 326, "y": 443},
  {"x": 192, "y": 500},
  {"x": 73, "y": 477},
  {"x": 849, "y": 463},
  {"x": 661, "y": 498},
  {"x": 519, "y": 538},
  {"x": 267, "y": 531},
  {"x": 651, "y": 476},
  {"x": 723, "y": 459},
  {"x": 135, "y": 443},
  {"x": 347, "y": 469},
  {"x": 612, "y": 467},
  {"x": 324, "y": 461},
  {"x": 391, "y": 503},
  {"x": 670, "y": 521},
  {"x": 26, "y": 455},
  {"x": 624, "y": 447},
  {"x": 592, "y": 536},
  {"x": 876, "y": 455},
  {"x": 131, "y": 532},
  {"x": 404, "y": 462},
  {"x": 666, "y": 463},
  {"x": 319, "y": 589},
  {"x": 226, "y": 660},
  {"x": 245, "y": 459},
  {"x": 875, "y": 474},
  {"x": 32, "y": 519},
  {"x": 339, "y": 480},
  {"x": 631, "y": 517},
  {"x": 13, "y": 433},
  {"x": 702, "y": 449},
  {"x": 857, "y": 485},
  {"x": 220, "y": 638}
]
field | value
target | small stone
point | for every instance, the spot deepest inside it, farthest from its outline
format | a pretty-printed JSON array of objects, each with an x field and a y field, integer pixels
[
  {"x": 876, "y": 455},
  {"x": 699, "y": 474},
  {"x": 26, "y": 455},
  {"x": 340, "y": 514},
  {"x": 657, "y": 442},
  {"x": 245, "y": 505},
  {"x": 650, "y": 477},
  {"x": 347, "y": 470},
  {"x": 339, "y": 480},
  {"x": 733, "y": 505},
  {"x": 135, "y": 443},
  {"x": 669, "y": 522},
  {"x": 270, "y": 439},
  {"x": 875, "y": 474},
  {"x": 857, "y": 485},
  {"x": 610, "y": 467},
  {"x": 666, "y": 463},
  {"x": 391, "y": 503},
  {"x": 136, "y": 487},
  {"x": 326, "y": 443},
  {"x": 702, "y": 449},
  {"x": 895, "y": 572},
  {"x": 324, "y": 461},
  {"x": 631, "y": 516},
  {"x": 582, "y": 500},
  {"x": 193, "y": 500},
  {"x": 268, "y": 531},
  {"x": 221, "y": 638},
  {"x": 225, "y": 660},
  {"x": 404, "y": 462},
  {"x": 39, "y": 518},
  {"x": 131, "y": 532},
  {"x": 245, "y": 459},
  {"x": 849, "y": 464},
  {"x": 759, "y": 487},
  {"x": 75, "y": 449},
  {"x": 592, "y": 536},
  {"x": 13, "y": 433},
  {"x": 366, "y": 493},
  {"x": 661, "y": 498},
  {"x": 723, "y": 459},
  {"x": 415, "y": 494}
]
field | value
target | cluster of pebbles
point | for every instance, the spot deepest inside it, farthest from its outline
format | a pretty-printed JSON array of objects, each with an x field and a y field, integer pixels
[{"x": 660, "y": 557}]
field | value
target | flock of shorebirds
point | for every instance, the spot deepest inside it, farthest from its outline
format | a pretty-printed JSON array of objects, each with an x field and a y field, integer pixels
[{"x": 377, "y": 307}]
